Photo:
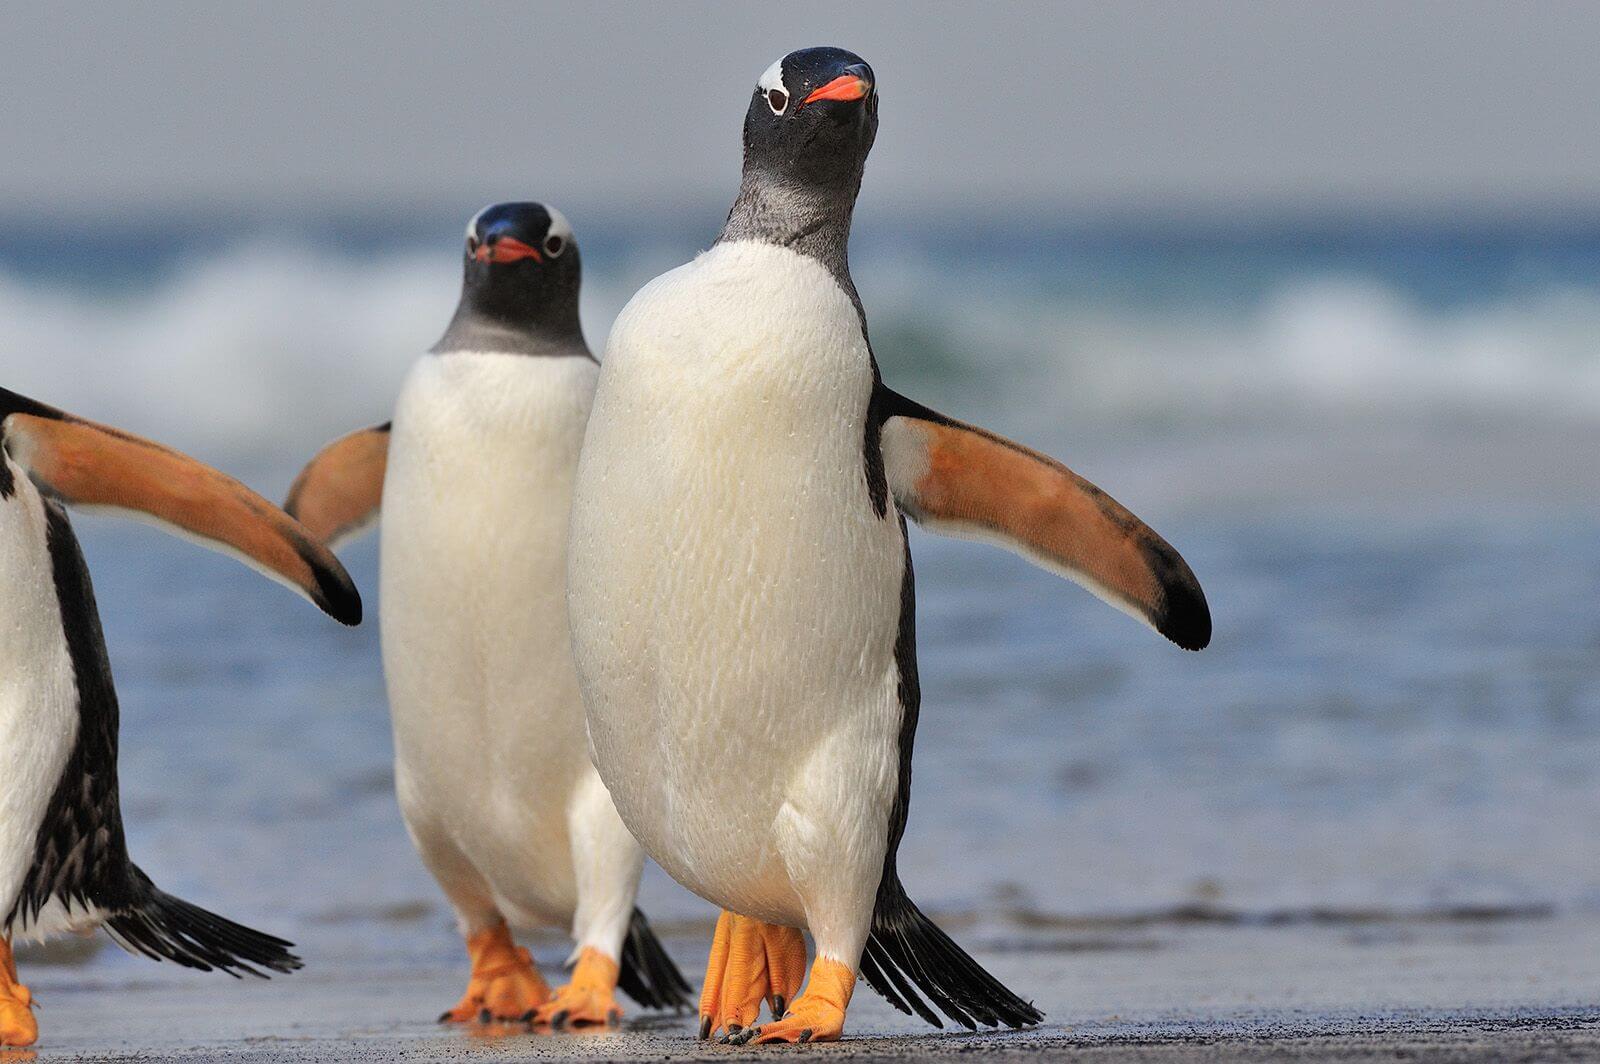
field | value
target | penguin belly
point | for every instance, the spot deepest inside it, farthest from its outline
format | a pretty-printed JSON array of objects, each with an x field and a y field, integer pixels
[
  {"x": 488, "y": 720},
  {"x": 735, "y": 593},
  {"x": 38, "y": 695}
]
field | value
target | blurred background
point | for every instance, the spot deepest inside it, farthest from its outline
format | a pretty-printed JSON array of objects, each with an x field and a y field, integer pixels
[{"x": 1313, "y": 288}]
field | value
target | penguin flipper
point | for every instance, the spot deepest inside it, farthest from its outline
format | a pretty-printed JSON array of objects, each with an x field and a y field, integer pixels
[
  {"x": 339, "y": 492},
  {"x": 963, "y": 481},
  {"x": 100, "y": 468}
]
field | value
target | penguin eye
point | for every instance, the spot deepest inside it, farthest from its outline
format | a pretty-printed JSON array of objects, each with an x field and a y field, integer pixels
[
  {"x": 554, "y": 245},
  {"x": 472, "y": 244},
  {"x": 778, "y": 100}
]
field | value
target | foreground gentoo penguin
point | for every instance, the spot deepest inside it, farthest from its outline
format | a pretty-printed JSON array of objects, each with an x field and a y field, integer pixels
[
  {"x": 741, "y": 589},
  {"x": 63, "y": 860},
  {"x": 474, "y": 478}
]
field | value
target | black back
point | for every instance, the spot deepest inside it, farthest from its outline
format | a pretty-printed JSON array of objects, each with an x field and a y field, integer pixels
[{"x": 80, "y": 855}]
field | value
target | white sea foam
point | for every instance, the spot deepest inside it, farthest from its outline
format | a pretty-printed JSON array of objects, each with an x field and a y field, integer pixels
[
  {"x": 263, "y": 350},
  {"x": 255, "y": 354},
  {"x": 1337, "y": 346}
]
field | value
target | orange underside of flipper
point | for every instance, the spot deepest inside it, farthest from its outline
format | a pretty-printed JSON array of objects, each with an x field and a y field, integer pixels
[
  {"x": 90, "y": 465},
  {"x": 17, "y": 1025},
  {"x": 342, "y": 487},
  {"x": 505, "y": 987},
  {"x": 750, "y": 962}
]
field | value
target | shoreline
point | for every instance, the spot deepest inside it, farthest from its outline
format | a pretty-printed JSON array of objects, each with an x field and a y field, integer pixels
[{"x": 1506, "y": 989}]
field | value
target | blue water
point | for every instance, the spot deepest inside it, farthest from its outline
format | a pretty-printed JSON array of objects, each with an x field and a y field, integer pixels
[{"x": 1375, "y": 449}]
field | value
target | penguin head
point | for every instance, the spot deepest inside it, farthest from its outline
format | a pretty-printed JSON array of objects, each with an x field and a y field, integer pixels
[
  {"x": 520, "y": 246},
  {"x": 520, "y": 273},
  {"x": 813, "y": 118}
]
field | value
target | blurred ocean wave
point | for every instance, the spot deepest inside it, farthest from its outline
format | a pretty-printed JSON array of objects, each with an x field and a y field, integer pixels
[
  {"x": 1340, "y": 346},
  {"x": 222, "y": 344}
]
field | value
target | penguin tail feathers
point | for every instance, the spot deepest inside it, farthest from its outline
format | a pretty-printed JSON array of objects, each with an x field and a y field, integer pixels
[
  {"x": 648, "y": 974},
  {"x": 906, "y": 952},
  {"x": 163, "y": 927}
]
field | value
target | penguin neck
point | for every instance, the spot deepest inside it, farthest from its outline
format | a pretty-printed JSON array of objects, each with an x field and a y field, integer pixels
[
  {"x": 554, "y": 332},
  {"x": 813, "y": 220}
]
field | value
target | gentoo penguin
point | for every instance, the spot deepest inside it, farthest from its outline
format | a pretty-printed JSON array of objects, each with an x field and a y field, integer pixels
[
  {"x": 741, "y": 590},
  {"x": 474, "y": 480},
  {"x": 63, "y": 859}
]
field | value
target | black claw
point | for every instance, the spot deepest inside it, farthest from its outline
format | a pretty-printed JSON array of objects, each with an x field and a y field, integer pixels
[
  {"x": 777, "y": 1005},
  {"x": 805, "y": 1035},
  {"x": 526, "y": 1017},
  {"x": 729, "y": 1033},
  {"x": 485, "y": 1016},
  {"x": 745, "y": 1035},
  {"x": 444, "y": 1017},
  {"x": 558, "y": 1020},
  {"x": 705, "y": 1028}
]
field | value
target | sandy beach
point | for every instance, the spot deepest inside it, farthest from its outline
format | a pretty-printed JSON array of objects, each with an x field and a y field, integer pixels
[{"x": 1468, "y": 987}]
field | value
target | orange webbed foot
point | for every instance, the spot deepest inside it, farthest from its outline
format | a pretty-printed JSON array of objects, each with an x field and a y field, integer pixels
[
  {"x": 505, "y": 987},
  {"x": 589, "y": 1000},
  {"x": 818, "y": 1014},
  {"x": 18, "y": 1027},
  {"x": 750, "y": 962}
]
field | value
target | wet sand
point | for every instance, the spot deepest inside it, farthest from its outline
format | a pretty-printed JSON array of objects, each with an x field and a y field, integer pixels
[{"x": 1465, "y": 988}]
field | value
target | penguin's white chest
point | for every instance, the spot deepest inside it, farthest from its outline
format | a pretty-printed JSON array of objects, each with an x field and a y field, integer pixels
[
  {"x": 488, "y": 719},
  {"x": 735, "y": 595},
  {"x": 38, "y": 694}
]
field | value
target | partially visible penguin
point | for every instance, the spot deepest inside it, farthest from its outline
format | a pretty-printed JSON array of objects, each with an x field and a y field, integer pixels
[
  {"x": 741, "y": 589},
  {"x": 64, "y": 862},
  {"x": 474, "y": 481}
]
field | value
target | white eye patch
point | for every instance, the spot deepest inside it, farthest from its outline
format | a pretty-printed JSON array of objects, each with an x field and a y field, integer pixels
[
  {"x": 472, "y": 226},
  {"x": 772, "y": 89},
  {"x": 559, "y": 235},
  {"x": 772, "y": 79}
]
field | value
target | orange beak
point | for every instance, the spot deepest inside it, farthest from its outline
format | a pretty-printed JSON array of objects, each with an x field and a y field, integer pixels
[
  {"x": 507, "y": 249},
  {"x": 843, "y": 87}
]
